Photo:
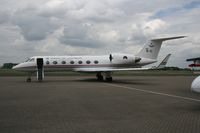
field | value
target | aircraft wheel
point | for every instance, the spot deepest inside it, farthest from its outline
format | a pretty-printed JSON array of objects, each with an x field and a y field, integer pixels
[
  {"x": 28, "y": 80},
  {"x": 109, "y": 79},
  {"x": 100, "y": 78}
]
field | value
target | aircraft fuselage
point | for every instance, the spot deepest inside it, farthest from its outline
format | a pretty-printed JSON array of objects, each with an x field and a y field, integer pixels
[{"x": 63, "y": 63}]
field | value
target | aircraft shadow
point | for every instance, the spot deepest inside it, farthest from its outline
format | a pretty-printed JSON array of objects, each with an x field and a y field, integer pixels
[
  {"x": 118, "y": 81},
  {"x": 94, "y": 80}
]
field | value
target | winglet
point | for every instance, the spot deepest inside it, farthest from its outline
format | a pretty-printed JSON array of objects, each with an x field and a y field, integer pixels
[{"x": 164, "y": 62}]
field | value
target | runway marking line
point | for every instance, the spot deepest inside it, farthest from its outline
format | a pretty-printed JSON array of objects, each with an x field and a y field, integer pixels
[{"x": 153, "y": 92}]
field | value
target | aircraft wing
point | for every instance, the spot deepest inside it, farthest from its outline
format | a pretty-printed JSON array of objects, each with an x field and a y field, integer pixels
[
  {"x": 193, "y": 59},
  {"x": 105, "y": 69},
  {"x": 196, "y": 62}
]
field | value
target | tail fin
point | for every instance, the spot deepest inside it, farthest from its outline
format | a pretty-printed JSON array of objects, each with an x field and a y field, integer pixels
[
  {"x": 164, "y": 62},
  {"x": 152, "y": 48}
]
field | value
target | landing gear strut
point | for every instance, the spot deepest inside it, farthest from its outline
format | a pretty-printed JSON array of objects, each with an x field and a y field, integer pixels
[
  {"x": 108, "y": 76},
  {"x": 109, "y": 79},
  {"x": 28, "y": 79},
  {"x": 99, "y": 76}
]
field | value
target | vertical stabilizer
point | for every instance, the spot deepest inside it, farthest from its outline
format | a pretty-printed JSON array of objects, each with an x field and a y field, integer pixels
[{"x": 152, "y": 48}]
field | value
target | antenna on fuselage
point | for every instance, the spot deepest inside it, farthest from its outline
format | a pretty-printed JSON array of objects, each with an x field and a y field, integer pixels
[{"x": 111, "y": 57}]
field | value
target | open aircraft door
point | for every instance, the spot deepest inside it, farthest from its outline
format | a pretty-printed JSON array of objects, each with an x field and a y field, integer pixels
[{"x": 40, "y": 69}]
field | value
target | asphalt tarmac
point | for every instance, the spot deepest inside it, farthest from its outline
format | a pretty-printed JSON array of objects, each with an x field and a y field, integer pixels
[{"x": 130, "y": 104}]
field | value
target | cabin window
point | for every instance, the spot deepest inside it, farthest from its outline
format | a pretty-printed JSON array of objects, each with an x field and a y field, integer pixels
[
  {"x": 47, "y": 62},
  {"x": 125, "y": 57},
  {"x": 55, "y": 62},
  {"x": 72, "y": 62},
  {"x": 96, "y": 62},
  {"x": 63, "y": 62},
  {"x": 88, "y": 62},
  {"x": 80, "y": 62}
]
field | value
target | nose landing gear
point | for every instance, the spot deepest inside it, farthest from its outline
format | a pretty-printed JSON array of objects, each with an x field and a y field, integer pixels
[
  {"x": 39, "y": 71},
  {"x": 28, "y": 79}
]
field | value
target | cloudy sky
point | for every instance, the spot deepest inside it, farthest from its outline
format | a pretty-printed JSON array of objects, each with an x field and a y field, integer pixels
[{"x": 90, "y": 27}]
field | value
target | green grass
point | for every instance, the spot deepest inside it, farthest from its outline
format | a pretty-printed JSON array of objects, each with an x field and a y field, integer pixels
[{"x": 10, "y": 72}]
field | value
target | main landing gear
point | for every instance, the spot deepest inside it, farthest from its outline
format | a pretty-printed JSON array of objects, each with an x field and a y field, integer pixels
[
  {"x": 108, "y": 76},
  {"x": 99, "y": 76}
]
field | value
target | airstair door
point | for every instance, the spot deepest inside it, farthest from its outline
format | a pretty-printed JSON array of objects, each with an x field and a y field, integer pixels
[{"x": 40, "y": 69}]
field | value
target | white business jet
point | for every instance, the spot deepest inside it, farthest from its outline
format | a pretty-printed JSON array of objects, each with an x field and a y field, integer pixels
[
  {"x": 195, "y": 87},
  {"x": 102, "y": 65}
]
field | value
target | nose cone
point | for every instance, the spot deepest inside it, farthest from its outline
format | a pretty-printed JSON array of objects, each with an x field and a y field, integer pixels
[
  {"x": 196, "y": 85},
  {"x": 15, "y": 67},
  {"x": 18, "y": 67}
]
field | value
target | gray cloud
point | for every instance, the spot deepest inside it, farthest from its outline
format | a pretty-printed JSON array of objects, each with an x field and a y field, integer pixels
[
  {"x": 81, "y": 43},
  {"x": 42, "y": 27},
  {"x": 33, "y": 26},
  {"x": 76, "y": 35}
]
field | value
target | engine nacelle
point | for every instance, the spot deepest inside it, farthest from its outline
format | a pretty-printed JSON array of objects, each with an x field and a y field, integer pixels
[
  {"x": 137, "y": 59},
  {"x": 124, "y": 58}
]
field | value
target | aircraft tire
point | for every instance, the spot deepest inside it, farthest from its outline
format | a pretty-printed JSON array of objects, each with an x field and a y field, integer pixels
[
  {"x": 109, "y": 79},
  {"x": 100, "y": 78},
  {"x": 28, "y": 80}
]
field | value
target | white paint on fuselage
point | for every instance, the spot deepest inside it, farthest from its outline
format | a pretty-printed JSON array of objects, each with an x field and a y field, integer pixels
[
  {"x": 196, "y": 85},
  {"x": 118, "y": 61}
]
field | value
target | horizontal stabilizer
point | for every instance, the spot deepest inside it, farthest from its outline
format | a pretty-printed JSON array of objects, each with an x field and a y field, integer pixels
[
  {"x": 168, "y": 38},
  {"x": 193, "y": 59}
]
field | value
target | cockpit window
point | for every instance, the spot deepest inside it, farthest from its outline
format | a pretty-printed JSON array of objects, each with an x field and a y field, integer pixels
[
  {"x": 30, "y": 60},
  {"x": 27, "y": 60}
]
